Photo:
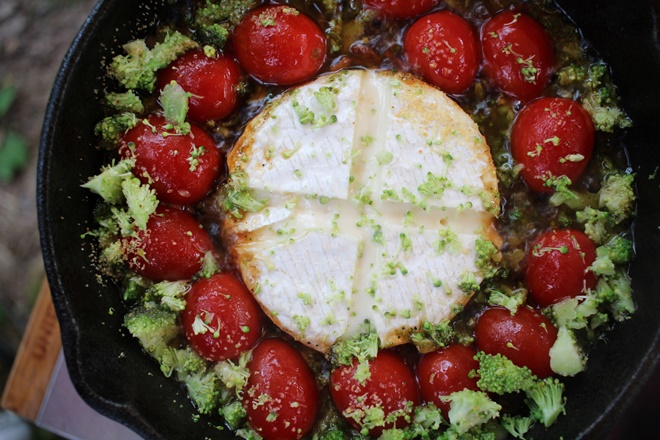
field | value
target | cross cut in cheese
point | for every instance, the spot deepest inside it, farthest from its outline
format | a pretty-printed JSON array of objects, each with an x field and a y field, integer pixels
[{"x": 375, "y": 189}]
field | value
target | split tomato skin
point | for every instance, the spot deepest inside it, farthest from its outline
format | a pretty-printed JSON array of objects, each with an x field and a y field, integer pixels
[
  {"x": 390, "y": 386},
  {"x": 518, "y": 54},
  {"x": 279, "y": 45},
  {"x": 281, "y": 396},
  {"x": 558, "y": 264},
  {"x": 446, "y": 371},
  {"x": 552, "y": 137},
  {"x": 525, "y": 337},
  {"x": 180, "y": 168},
  {"x": 212, "y": 82},
  {"x": 400, "y": 9},
  {"x": 231, "y": 316},
  {"x": 171, "y": 248},
  {"x": 443, "y": 48}
]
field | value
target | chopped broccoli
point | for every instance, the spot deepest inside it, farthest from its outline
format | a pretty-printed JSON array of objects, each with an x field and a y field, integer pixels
[
  {"x": 221, "y": 10},
  {"x": 113, "y": 254},
  {"x": 618, "y": 249},
  {"x": 468, "y": 282},
  {"x": 363, "y": 346},
  {"x": 597, "y": 224},
  {"x": 234, "y": 414},
  {"x": 576, "y": 313},
  {"x": 170, "y": 293},
  {"x": 209, "y": 265},
  {"x": 433, "y": 336},
  {"x": 499, "y": 375},
  {"x": 137, "y": 69},
  {"x": 469, "y": 409},
  {"x": 545, "y": 400},
  {"x": 236, "y": 198},
  {"x": 488, "y": 258},
  {"x": 481, "y": 432},
  {"x": 141, "y": 201},
  {"x": 174, "y": 101},
  {"x": 517, "y": 426},
  {"x": 511, "y": 300},
  {"x": 183, "y": 362},
  {"x": 154, "y": 326},
  {"x": 333, "y": 434},
  {"x": 108, "y": 184},
  {"x": 248, "y": 433},
  {"x": 566, "y": 356},
  {"x": 111, "y": 128},
  {"x": 616, "y": 292},
  {"x": 617, "y": 196},
  {"x": 215, "y": 35},
  {"x": 234, "y": 375},
  {"x": 602, "y": 265},
  {"x": 127, "y": 102},
  {"x": 204, "y": 389}
]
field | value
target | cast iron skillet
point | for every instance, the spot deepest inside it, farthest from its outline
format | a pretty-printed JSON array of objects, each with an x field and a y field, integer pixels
[{"x": 108, "y": 367}]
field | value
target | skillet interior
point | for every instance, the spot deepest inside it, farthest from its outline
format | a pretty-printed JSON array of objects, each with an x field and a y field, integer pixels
[{"x": 108, "y": 367}]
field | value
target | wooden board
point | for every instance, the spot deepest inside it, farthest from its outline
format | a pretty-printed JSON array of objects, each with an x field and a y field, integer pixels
[{"x": 36, "y": 357}]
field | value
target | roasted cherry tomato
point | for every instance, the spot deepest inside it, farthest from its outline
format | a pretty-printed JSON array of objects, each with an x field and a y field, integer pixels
[
  {"x": 180, "y": 168},
  {"x": 212, "y": 83},
  {"x": 279, "y": 45},
  {"x": 171, "y": 248},
  {"x": 221, "y": 319},
  {"x": 445, "y": 371},
  {"x": 400, "y": 9},
  {"x": 281, "y": 396},
  {"x": 552, "y": 137},
  {"x": 390, "y": 386},
  {"x": 525, "y": 337},
  {"x": 518, "y": 54},
  {"x": 443, "y": 48},
  {"x": 557, "y": 266}
]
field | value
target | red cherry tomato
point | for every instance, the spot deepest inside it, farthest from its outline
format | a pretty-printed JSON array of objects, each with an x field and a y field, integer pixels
[
  {"x": 443, "y": 48},
  {"x": 518, "y": 54},
  {"x": 221, "y": 319},
  {"x": 443, "y": 372},
  {"x": 171, "y": 248},
  {"x": 279, "y": 45},
  {"x": 281, "y": 396},
  {"x": 525, "y": 338},
  {"x": 212, "y": 82},
  {"x": 180, "y": 168},
  {"x": 391, "y": 387},
  {"x": 400, "y": 9},
  {"x": 552, "y": 137},
  {"x": 557, "y": 266}
]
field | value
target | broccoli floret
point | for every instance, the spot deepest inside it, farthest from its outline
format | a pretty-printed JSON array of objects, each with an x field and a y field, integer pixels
[
  {"x": 174, "y": 101},
  {"x": 566, "y": 356},
  {"x": 236, "y": 198},
  {"x": 137, "y": 69},
  {"x": 127, "y": 102},
  {"x": 209, "y": 265},
  {"x": 135, "y": 287},
  {"x": 618, "y": 249},
  {"x": 488, "y": 257},
  {"x": 546, "y": 401},
  {"x": 617, "y": 196},
  {"x": 154, "y": 326},
  {"x": 497, "y": 374},
  {"x": 434, "y": 336},
  {"x": 234, "y": 376},
  {"x": 234, "y": 414},
  {"x": 333, "y": 434},
  {"x": 517, "y": 426},
  {"x": 111, "y": 128},
  {"x": 468, "y": 283},
  {"x": 248, "y": 433},
  {"x": 108, "y": 184},
  {"x": 597, "y": 224},
  {"x": 602, "y": 265},
  {"x": 616, "y": 292},
  {"x": 221, "y": 10},
  {"x": 470, "y": 408},
  {"x": 141, "y": 201},
  {"x": 510, "y": 300},
  {"x": 363, "y": 346},
  {"x": 204, "y": 389},
  {"x": 215, "y": 35},
  {"x": 112, "y": 255},
  {"x": 576, "y": 313},
  {"x": 170, "y": 293},
  {"x": 481, "y": 432},
  {"x": 183, "y": 362}
]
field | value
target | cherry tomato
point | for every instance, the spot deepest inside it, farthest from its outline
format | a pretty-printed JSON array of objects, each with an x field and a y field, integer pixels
[
  {"x": 443, "y": 48},
  {"x": 221, "y": 319},
  {"x": 279, "y": 45},
  {"x": 518, "y": 54},
  {"x": 391, "y": 386},
  {"x": 552, "y": 137},
  {"x": 281, "y": 396},
  {"x": 557, "y": 266},
  {"x": 525, "y": 338},
  {"x": 180, "y": 168},
  {"x": 400, "y": 9},
  {"x": 212, "y": 82},
  {"x": 171, "y": 248},
  {"x": 445, "y": 371}
]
